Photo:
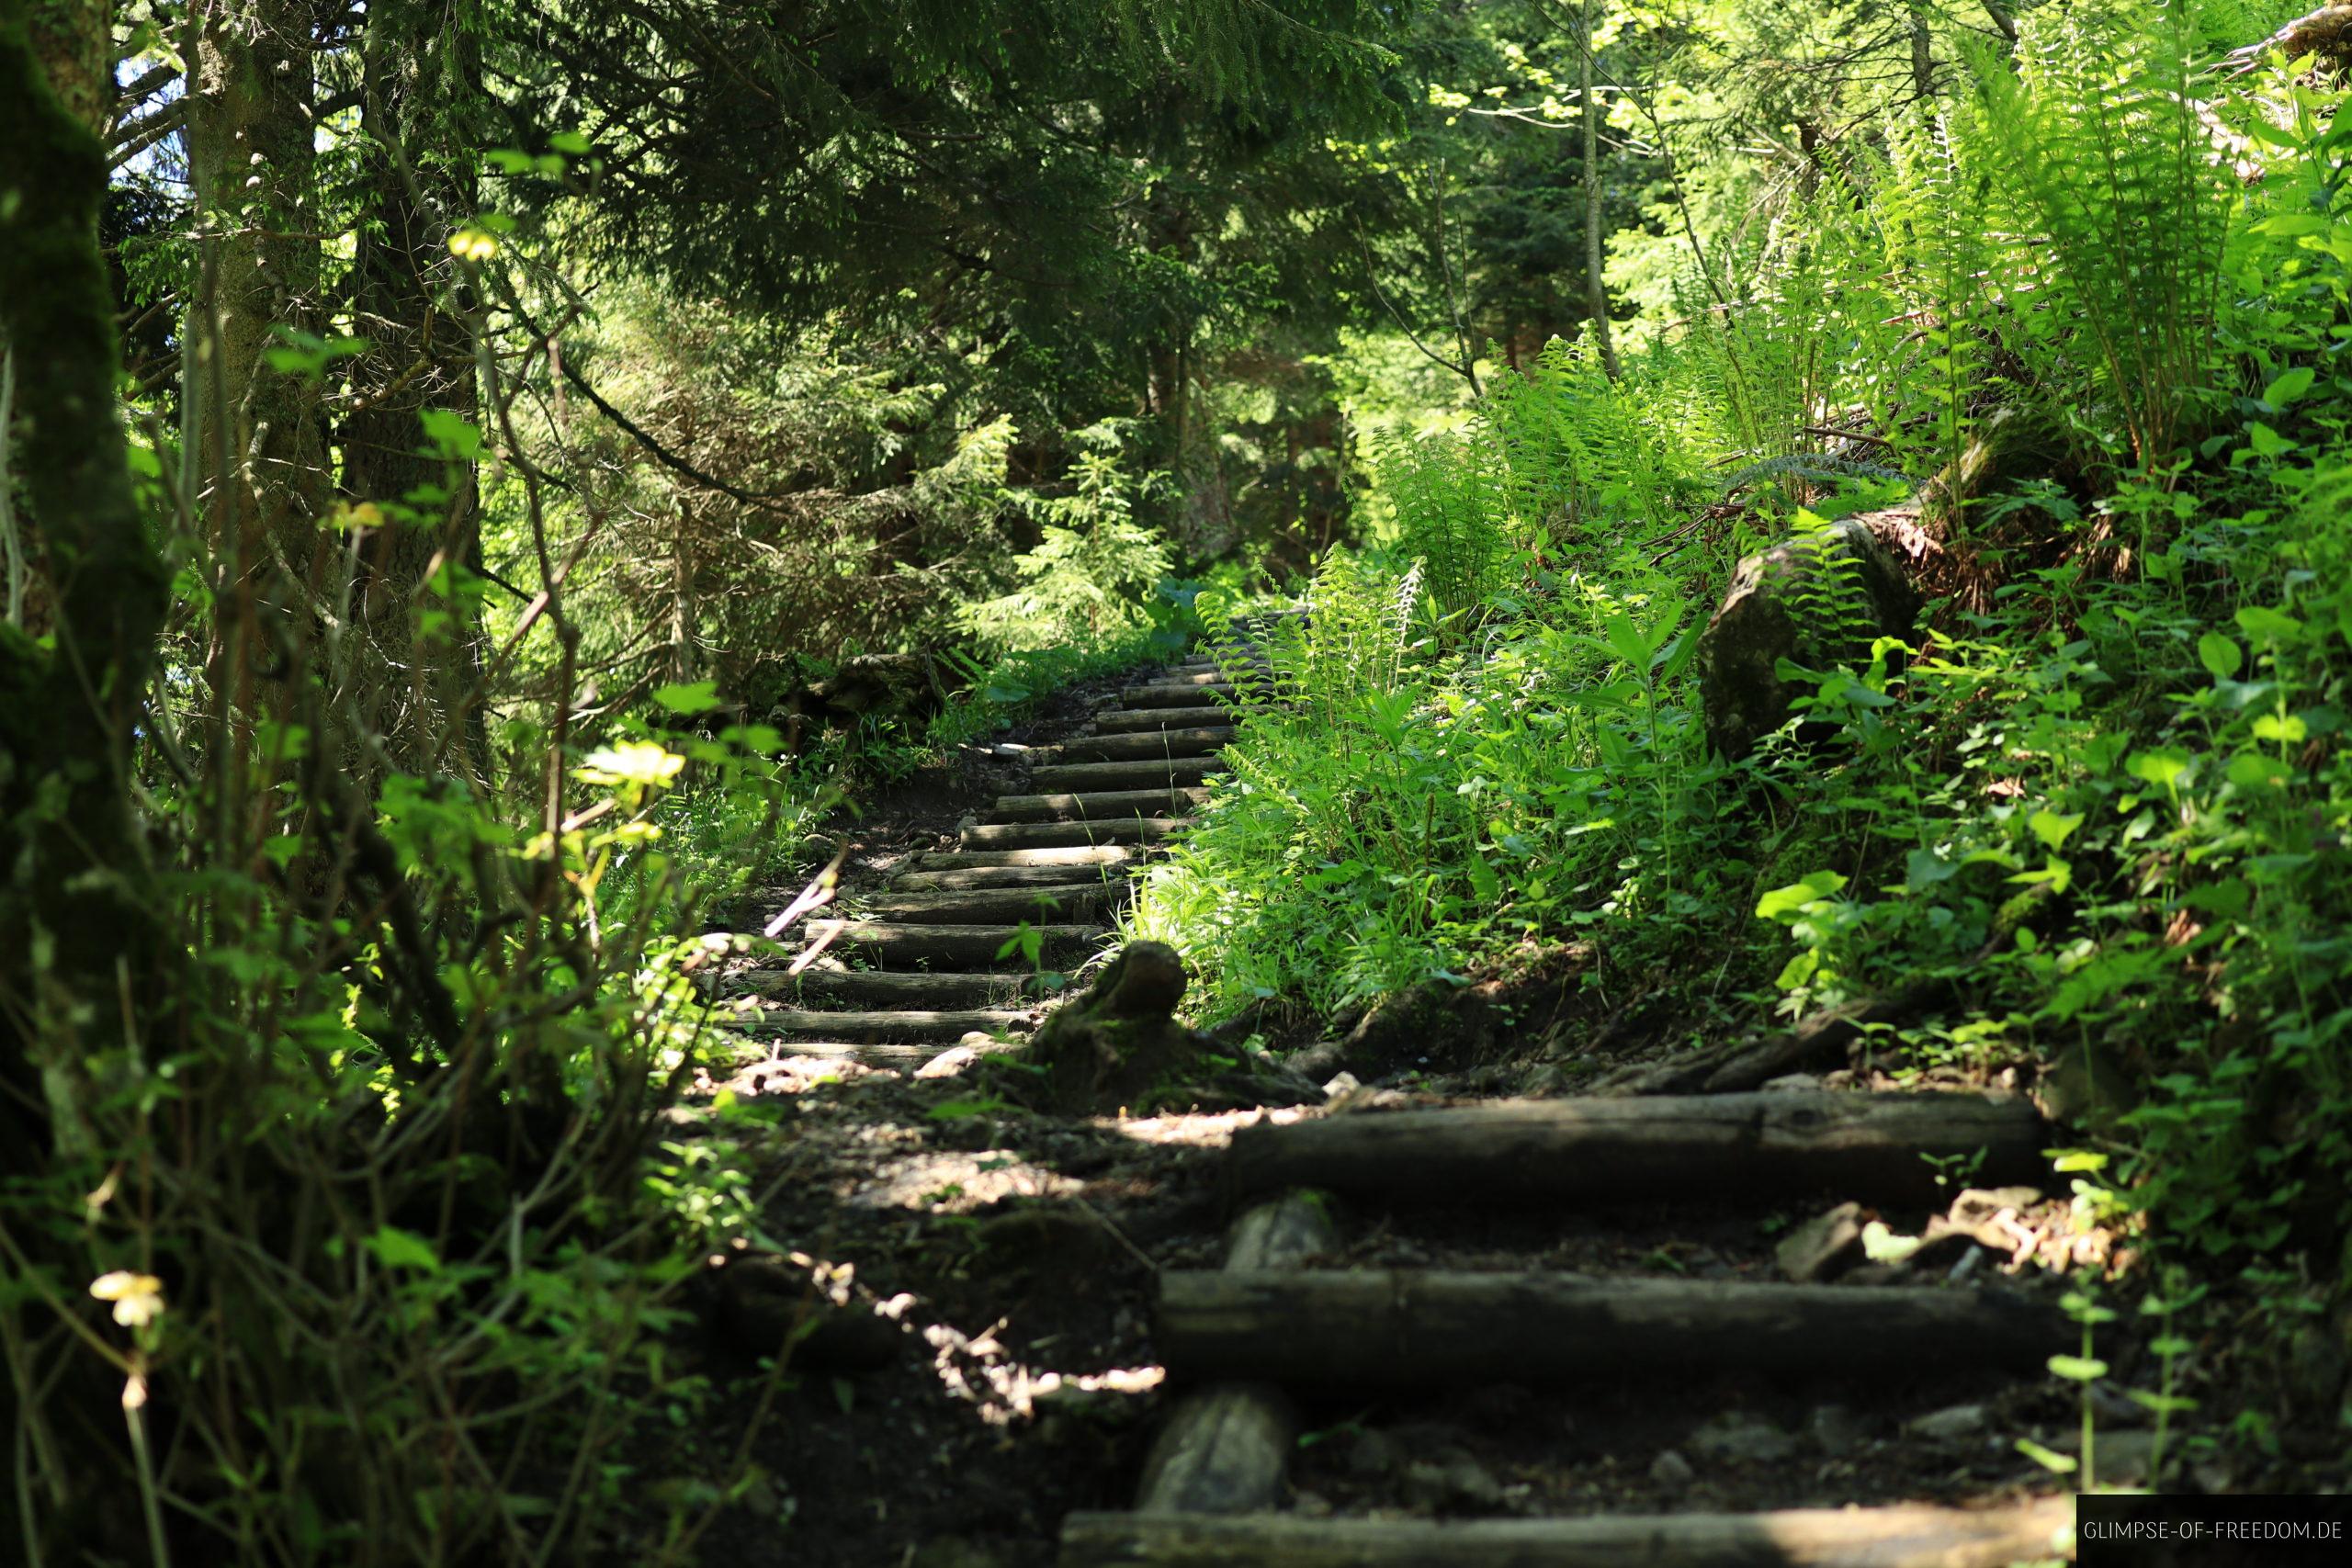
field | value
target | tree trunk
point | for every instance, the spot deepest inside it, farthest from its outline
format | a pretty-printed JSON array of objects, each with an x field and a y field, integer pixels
[
  {"x": 252, "y": 430},
  {"x": 1589, "y": 122},
  {"x": 73, "y": 48},
  {"x": 420, "y": 361},
  {"x": 77, "y": 893},
  {"x": 1923, "y": 57}
]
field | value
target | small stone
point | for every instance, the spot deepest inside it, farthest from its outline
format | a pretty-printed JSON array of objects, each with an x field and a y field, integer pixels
[
  {"x": 1736, "y": 1438},
  {"x": 1311, "y": 1506},
  {"x": 1980, "y": 1205},
  {"x": 1793, "y": 1083},
  {"x": 1341, "y": 1084},
  {"x": 1836, "y": 1430},
  {"x": 949, "y": 1062},
  {"x": 1671, "y": 1473},
  {"x": 1822, "y": 1245},
  {"x": 1953, "y": 1424},
  {"x": 1450, "y": 1481}
]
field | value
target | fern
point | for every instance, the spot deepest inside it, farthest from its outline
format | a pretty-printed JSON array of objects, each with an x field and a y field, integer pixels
[
  {"x": 2100, "y": 153},
  {"x": 1451, "y": 506}
]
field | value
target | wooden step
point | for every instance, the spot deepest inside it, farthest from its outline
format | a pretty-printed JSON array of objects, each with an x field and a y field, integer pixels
[
  {"x": 1074, "y": 854},
  {"x": 917, "y": 989},
  {"x": 1109, "y": 806},
  {"x": 898, "y": 1057},
  {"x": 1008, "y": 876},
  {"x": 1909, "y": 1536},
  {"x": 1071, "y": 834},
  {"x": 956, "y": 947},
  {"x": 1402, "y": 1328},
  {"x": 905, "y": 1024},
  {"x": 977, "y": 906},
  {"x": 1197, "y": 742},
  {"x": 1174, "y": 695},
  {"x": 1737, "y": 1147},
  {"x": 1123, "y": 721},
  {"x": 1156, "y": 773}
]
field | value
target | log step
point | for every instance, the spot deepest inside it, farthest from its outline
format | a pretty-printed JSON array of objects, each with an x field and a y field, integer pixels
[
  {"x": 1123, "y": 721},
  {"x": 961, "y": 947},
  {"x": 1075, "y": 854},
  {"x": 919, "y": 988},
  {"x": 1194, "y": 742},
  {"x": 1175, "y": 695},
  {"x": 1734, "y": 1147},
  {"x": 1406, "y": 1328},
  {"x": 1066, "y": 835},
  {"x": 975, "y": 905},
  {"x": 1903, "y": 1536},
  {"x": 865, "y": 1054},
  {"x": 1107, "y": 805},
  {"x": 1160, "y": 772},
  {"x": 947, "y": 1026},
  {"x": 1010, "y": 877}
]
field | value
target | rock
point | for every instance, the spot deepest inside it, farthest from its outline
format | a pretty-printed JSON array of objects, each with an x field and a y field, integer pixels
[
  {"x": 1736, "y": 1438},
  {"x": 950, "y": 1063},
  {"x": 1980, "y": 1205},
  {"x": 1311, "y": 1506},
  {"x": 1836, "y": 1430},
  {"x": 1823, "y": 1246},
  {"x": 1953, "y": 1424},
  {"x": 1671, "y": 1472},
  {"x": 1451, "y": 1481},
  {"x": 1772, "y": 612},
  {"x": 1343, "y": 1084}
]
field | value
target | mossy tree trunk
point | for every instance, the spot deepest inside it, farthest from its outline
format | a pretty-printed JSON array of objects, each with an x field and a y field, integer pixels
[{"x": 77, "y": 945}]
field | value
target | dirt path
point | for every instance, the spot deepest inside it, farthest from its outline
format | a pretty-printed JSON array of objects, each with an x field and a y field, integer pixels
[{"x": 1393, "y": 1328}]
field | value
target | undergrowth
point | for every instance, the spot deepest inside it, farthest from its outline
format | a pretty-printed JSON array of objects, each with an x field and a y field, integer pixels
[{"x": 2102, "y": 789}]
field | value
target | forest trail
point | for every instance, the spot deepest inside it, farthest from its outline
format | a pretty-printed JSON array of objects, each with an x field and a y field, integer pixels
[{"x": 1435, "y": 1329}]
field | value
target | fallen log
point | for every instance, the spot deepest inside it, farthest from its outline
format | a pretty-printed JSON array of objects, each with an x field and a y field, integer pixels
[
  {"x": 1735, "y": 1146},
  {"x": 1908, "y": 1537},
  {"x": 1394, "y": 1328}
]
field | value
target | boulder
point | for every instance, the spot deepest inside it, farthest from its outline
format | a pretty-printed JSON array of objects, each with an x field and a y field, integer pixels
[{"x": 1814, "y": 600}]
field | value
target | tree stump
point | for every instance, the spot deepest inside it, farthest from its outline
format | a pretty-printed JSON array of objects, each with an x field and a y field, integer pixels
[{"x": 1120, "y": 1042}]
